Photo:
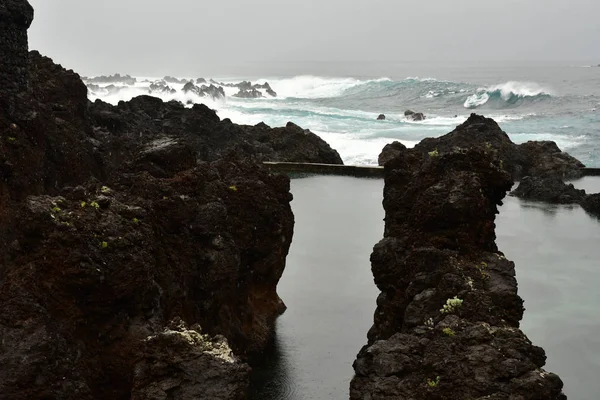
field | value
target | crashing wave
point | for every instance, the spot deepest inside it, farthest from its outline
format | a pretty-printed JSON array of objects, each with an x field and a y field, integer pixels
[{"x": 509, "y": 93}]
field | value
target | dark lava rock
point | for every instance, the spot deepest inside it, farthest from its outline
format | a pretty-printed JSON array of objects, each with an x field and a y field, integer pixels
[
  {"x": 548, "y": 188},
  {"x": 212, "y": 91},
  {"x": 249, "y": 94},
  {"x": 200, "y": 129},
  {"x": 447, "y": 320},
  {"x": 160, "y": 87},
  {"x": 206, "y": 244},
  {"x": 177, "y": 360},
  {"x": 591, "y": 204},
  {"x": 170, "y": 79},
  {"x": 528, "y": 159},
  {"x": 391, "y": 151},
  {"x": 414, "y": 116},
  {"x": 15, "y": 18},
  {"x": 380, "y": 117},
  {"x": 204, "y": 91},
  {"x": 271, "y": 92},
  {"x": 116, "y": 78},
  {"x": 129, "y": 267},
  {"x": 543, "y": 157}
]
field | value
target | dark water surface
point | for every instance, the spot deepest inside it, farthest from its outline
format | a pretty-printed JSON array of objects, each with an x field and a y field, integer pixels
[{"x": 329, "y": 289}]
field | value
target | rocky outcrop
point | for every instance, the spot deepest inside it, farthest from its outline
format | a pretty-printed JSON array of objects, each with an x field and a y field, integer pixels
[
  {"x": 160, "y": 87},
  {"x": 45, "y": 142},
  {"x": 116, "y": 78},
  {"x": 549, "y": 189},
  {"x": 528, "y": 159},
  {"x": 591, "y": 204},
  {"x": 391, "y": 151},
  {"x": 201, "y": 129},
  {"x": 248, "y": 94},
  {"x": 447, "y": 319},
  {"x": 176, "y": 361},
  {"x": 15, "y": 18},
  {"x": 381, "y": 117},
  {"x": 211, "y": 91},
  {"x": 170, "y": 79},
  {"x": 414, "y": 116}
]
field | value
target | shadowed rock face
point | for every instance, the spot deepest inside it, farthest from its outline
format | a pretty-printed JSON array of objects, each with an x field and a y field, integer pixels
[
  {"x": 549, "y": 189},
  {"x": 533, "y": 158},
  {"x": 447, "y": 319},
  {"x": 88, "y": 276},
  {"x": 128, "y": 268},
  {"x": 15, "y": 18}
]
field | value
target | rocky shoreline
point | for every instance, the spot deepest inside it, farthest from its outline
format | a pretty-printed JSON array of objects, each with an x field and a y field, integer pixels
[{"x": 142, "y": 244}]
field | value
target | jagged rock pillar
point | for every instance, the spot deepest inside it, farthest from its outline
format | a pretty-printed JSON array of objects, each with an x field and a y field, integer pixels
[{"x": 15, "y": 18}]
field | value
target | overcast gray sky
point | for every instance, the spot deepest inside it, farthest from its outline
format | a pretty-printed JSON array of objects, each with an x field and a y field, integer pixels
[{"x": 155, "y": 37}]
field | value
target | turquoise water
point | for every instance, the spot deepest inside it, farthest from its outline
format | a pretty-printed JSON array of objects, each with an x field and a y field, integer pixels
[
  {"x": 340, "y": 102},
  {"x": 329, "y": 290}
]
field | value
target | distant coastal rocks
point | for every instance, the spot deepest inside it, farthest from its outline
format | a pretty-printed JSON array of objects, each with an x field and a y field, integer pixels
[
  {"x": 167, "y": 86},
  {"x": 409, "y": 114}
]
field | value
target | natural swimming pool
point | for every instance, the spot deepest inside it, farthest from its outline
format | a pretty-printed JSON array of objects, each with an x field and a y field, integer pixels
[{"x": 329, "y": 290}]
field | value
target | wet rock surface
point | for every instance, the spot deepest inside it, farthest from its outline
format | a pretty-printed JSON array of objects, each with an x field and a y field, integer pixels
[
  {"x": 447, "y": 319},
  {"x": 527, "y": 159}
]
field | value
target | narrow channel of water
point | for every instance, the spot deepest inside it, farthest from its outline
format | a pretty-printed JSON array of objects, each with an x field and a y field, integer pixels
[{"x": 329, "y": 290}]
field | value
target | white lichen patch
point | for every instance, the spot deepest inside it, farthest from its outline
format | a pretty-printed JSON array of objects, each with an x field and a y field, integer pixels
[{"x": 217, "y": 347}]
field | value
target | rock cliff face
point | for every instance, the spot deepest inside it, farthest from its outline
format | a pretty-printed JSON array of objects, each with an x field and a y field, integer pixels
[
  {"x": 15, "y": 18},
  {"x": 527, "y": 159},
  {"x": 88, "y": 276},
  {"x": 447, "y": 319}
]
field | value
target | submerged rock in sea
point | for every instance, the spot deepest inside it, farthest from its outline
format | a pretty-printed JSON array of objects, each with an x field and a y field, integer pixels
[
  {"x": 414, "y": 116},
  {"x": 527, "y": 159},
  {"x": 380, "y": 117},
  {"x": 251, "y": 93},
  {"x": 447, "y": 319},
  {"x": 160, "y": 87}
]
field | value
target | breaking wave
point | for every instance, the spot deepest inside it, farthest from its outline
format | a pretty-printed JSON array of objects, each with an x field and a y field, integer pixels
[{"x": 507, "y": 94}]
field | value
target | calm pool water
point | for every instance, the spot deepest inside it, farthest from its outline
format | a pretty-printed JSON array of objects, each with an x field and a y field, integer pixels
[{"x": 329, "y": 290}]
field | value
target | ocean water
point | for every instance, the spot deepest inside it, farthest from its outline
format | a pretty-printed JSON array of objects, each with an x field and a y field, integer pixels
[
  {"x": 340, "y": 102},
  {"x": 329, "y": 290}
]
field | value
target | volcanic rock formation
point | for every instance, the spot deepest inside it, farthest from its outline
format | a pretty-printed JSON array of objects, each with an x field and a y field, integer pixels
[
  {"x": 528, "y": 159},
  {"x": 15, "y": 18},
  {"x": 129, "y": 267},
  {"x": 146, "y": 120},
  {"x": 447, "y": 320}
]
